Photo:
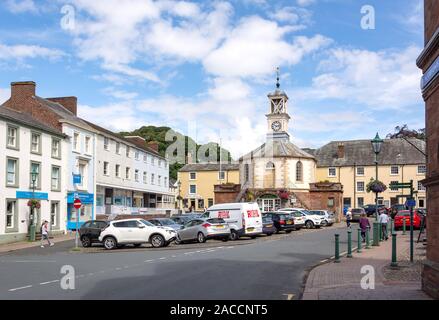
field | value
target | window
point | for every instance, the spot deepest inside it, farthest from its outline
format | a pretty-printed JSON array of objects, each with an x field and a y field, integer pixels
[
  {"x": 76, "y": 141},
  {"x": 360, "y": 171},
  {"x": 160, "y": 163},
  {"x": 166, "y": 182},
  {"x": 200, "y": 203},
  {"x": 152, "y": 160},
  {"x": 421, "y": 203},
  {"x": 137, "y": 155},
  {"x": 106, "y": 164},
  {"x": 210, "y": 202},
  {"x": 299, "y": 171},
  {"x": 56, "y": 148},
  {"x": 332, "y": 172},
  {"x": 270, "y": 166},
  {"x": 221, "y": 175},
  {"x": 394, "y": 170},
  {"x": 82, "y": 170},
  {"x": 145, "y": 158},
  {"x": 152, "y": 178},
  {"x": 193, "y": 176},
  {"x": 127, "y": 173},
  {"x": 54, "y": 214},
  {"x": 12, "y": 137},
  {"x": 393, "y": 188},
  {"x": 12, "y": 172},
  {"x": 87, "y": 145},
  {"x": 106, "y": 143},
  {"x": 11, "y": 211},
  {"x": 117, "y": 170},
  {"x": 246, "y": 172},
  {"x": 422, "y": 169},
  {"x": 347, "y": 202},
  {"x": 35, "y": 167},
  {"x": 192, "y": 189},
  {"x": 145, "y": 177},
  {"x": 56, "y": 177},
  {"x": 360, "y": 186},
  {"x": 136, "y": 175},
  {"x": 360, "y": 201},
  {"x": 118, "y": 147},
  {"x": 331, "y": 202},
  {"x": 35, "y": 143},
  {"x": 421, "y": 186},
  {"x": 127, "y": 152}
]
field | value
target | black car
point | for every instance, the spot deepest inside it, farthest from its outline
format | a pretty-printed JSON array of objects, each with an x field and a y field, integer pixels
[
  {"x": 268, "y": 227},
  {"x": 282, "y": 221},
  {"x": 371, "y": 209},
  {"x": 90, "y": 231}
]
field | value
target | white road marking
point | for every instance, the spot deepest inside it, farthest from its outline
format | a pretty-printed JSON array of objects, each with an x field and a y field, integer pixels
[
  {"x": 290, "y": 296},
  {"x": 118, "y": 269},
  {"x": 53, "y": 281},
  {"x": 162, "y": 258},
  {"x": 152, "y": 260},
  {"x": 21, "y": 288}
]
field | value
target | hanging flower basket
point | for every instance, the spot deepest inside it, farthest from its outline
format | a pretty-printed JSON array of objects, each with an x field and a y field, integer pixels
[
  {"x": 35, "y": 204},
  {"x": 376, "y": 186},
  {"x": 284, "y": 195}
]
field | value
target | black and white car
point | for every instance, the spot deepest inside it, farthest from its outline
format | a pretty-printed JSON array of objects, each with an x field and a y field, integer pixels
[{"x": 136, "y": 232}]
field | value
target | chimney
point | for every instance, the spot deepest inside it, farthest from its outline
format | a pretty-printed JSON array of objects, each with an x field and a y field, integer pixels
[
  {"x": 22, "y": 90},
  {"x": 189, "y": 159},
  {"x": 154, "y": 145},
  {"x": 340, "y": 151},
  {"x": 70, "y": 103}
]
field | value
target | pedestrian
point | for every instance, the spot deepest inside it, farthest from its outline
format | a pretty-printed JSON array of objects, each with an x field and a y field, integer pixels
[
  {"x": 348, "y": 218},
  {"x": 364, "y": 224},
  {"x": 45, "y": 233},
  {"x": 384, "y": 220}
]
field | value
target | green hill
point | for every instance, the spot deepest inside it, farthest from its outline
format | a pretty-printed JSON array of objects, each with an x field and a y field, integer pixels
[{"x": 159, "y": 134}]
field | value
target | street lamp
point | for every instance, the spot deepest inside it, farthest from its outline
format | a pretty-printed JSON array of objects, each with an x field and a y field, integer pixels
[
  {"x": 32, "y": 229},
  {"x": 377, "y": 143},
  {"x": 179, "y": 195}
]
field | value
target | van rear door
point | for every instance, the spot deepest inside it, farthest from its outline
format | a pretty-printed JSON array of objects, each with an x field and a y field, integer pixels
[{"x": 252, "y": 218}]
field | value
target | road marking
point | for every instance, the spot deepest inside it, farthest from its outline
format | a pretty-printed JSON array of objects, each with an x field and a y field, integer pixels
[
  {"x": 152, "y": 260},
  {"x": 53, "y": 281},
  {"x": 21, "y": 288},
  {"x": 29, "y": 261},
  {"x": 118, "y": 269},
  {"x": 290, "y": 296},
  {"x": 162, "y": 258}
]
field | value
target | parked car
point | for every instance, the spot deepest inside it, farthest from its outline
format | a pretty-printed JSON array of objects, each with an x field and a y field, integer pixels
[
  {"x": 312, "y": 220},
  {"x": 136, "y": 232},
  {"x": 370, "y": 209},
  {"x": 268, "y": 225},
  {"x": 283, "y": 221},
  {"x": 90, "y": 231},
  {"x": 405, "y": 215},
  {"x": 244, "y": 218},
  {"x": 165, "y": 222},
  {"x": 181, "y": 220},
  {"x": 396, "y": 208},
  {"x": 204, "y": 229},
  {"x": 299, "y": 220},
  {"x": 357, "y": 213},
  {"x": 329, "y": 217}
]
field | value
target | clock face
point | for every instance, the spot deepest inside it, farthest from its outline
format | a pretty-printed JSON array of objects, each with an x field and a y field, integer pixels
[{"x": 276, "y": 126}]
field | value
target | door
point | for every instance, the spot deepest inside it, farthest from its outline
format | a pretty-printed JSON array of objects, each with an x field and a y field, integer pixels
[
  {"x": 190, "y": 230},
  {"x": 127, "y": 231}
]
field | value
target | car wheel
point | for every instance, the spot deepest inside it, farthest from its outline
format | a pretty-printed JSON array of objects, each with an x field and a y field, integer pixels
[
  {"x": 277, "y": 230},
  {"x": 225, "y": 239},
  {"x": 167, "y": 243},
  {"x": 309, "y": 224},
  {"x": 269, "y": 234},
  {"x": 86, "y": 241},
  {"x": 177, "y": 240},
  {"x": 201, "y": 238},
  {"x": 157, "y": 241},
  {"x": 136, "y": 245},
  {"x": 324, "y": 223},
  {"x": 234, "y": 235},
  {"x": 110, "y": 243}
]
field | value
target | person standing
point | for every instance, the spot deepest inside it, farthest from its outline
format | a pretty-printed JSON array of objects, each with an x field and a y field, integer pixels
[
  {"x": 384, "y": 220},
  {"x": 348, "y": 218},
  {"x": 45, "y": 234},
  {"x": 364, "y": 224}
]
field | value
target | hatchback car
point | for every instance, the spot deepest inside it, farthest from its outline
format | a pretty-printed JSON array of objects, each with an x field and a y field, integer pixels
[
  {"x": 282, "y": 221},
  {"x": 329, "y": 217},
  {"x": 405, "y": 215},
  {"x": 203, "y": 229},
  {"x": 165, "y": 222},
  {"x": 268, "y": 227},
  {"x": 357, "y": 213},
  {"x": 90, "y": 231},
  {"x": 136, "y": 232}
]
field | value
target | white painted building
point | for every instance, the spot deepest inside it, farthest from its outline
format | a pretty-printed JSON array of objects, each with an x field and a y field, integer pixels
[{"x": 28, "y": 145}]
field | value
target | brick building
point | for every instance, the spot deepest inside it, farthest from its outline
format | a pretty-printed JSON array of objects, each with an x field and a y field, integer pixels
[{"x": 428, "y": 61}]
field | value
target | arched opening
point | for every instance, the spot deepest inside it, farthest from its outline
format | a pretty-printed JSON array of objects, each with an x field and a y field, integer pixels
[
  {"x": 270, "y": 175},
  {"x": 269, "y": 203},
  {"x": 299, "y": 171}
]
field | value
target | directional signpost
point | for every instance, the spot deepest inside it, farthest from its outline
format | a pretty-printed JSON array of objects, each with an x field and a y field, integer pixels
[
  {"x": 77, "y": 204},
  {"x": 411, "y": 203}
]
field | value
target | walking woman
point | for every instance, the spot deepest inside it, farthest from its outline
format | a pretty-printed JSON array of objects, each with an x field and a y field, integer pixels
[
  {"x": 364, "y": 225},
  {"x": 45, "y": 234}
]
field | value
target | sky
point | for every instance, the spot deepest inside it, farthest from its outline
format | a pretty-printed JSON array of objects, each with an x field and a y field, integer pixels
[{"x": 204, "y": 68}]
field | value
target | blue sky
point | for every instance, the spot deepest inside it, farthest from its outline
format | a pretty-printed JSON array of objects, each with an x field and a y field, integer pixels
[{"x": 205, "y": 67}]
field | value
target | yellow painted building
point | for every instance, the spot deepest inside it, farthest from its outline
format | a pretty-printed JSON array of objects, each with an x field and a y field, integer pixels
[
  {"x": 197, "y": 181},
  {"x": 352, "y": 163}
]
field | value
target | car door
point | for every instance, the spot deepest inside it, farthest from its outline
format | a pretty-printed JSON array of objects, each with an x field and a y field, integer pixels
[
  {"x": 134, "y": 233},
  {"x": 188, "y": 232}
]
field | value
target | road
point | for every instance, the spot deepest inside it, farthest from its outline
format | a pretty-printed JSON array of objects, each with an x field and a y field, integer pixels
[{"x": 265, "y": 268}]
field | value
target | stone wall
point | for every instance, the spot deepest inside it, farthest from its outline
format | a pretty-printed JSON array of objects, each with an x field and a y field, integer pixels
[{"x": 226, "y": 193}]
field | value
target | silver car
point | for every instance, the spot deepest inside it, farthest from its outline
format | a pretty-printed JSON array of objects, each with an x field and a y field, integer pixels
[{"x": 202, "y": 229}]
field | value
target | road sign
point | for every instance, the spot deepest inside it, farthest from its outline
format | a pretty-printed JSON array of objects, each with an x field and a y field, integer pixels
[
  {"x": 411, "y": 203},
  {"x": 400, "y": 185},
  {"x": 77, "y": 204}
]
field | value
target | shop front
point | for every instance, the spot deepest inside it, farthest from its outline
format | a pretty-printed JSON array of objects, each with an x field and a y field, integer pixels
[{"x": 86, "y": 212}]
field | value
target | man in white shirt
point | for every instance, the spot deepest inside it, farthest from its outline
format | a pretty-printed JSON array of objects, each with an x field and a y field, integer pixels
[{"x": 384, "y": 220}]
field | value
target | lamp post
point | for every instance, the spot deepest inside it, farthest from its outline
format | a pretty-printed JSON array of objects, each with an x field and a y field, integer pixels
[
  {"x": 32, "y": 227},
  {"x": 377, "y": 143},
  {"x": 179, "y": 195}
]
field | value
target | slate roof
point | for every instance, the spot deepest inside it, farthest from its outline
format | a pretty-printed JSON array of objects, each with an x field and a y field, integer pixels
[
  {"x": 192, "y": 167},
  {"x": 278, "y": 148},
  {"x": 25, "y": 119},
  {"x": 359, "y": 152}
]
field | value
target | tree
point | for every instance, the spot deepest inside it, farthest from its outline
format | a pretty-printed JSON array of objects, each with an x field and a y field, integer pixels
[{"x": 405, "y": 132}]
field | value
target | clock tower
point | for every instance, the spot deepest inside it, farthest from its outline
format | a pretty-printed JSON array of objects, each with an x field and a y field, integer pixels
[{"x": 278, "y": 117}]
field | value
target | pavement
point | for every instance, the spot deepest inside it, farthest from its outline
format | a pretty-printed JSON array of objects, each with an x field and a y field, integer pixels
[
  {"x": 9, "y": 247},
  {"x": 271, "y": 268},
  {"x": 342, "y": 281}
]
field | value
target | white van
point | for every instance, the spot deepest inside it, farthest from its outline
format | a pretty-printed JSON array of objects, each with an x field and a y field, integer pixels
[{"x": 244, "y": 218}]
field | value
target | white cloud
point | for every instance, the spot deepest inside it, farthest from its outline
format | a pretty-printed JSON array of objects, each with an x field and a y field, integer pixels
[
  {"x": 22, "y": 52},
  {"x": 292, "y": 15},
  {"x": 4, "y": 95},
  {"x": 385, "y": 79},
  {"x": 414, "y": 19},
  {"x": 20, "y": 6},
  {"x": 304, "y": 3},
  {"x": 120, "y": 94}
]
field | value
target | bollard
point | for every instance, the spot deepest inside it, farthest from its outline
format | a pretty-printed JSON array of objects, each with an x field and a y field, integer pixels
[
  {"x": 359, "y": 241},
  {"x": 376, "y": 234},
  {"x": 404, "y": 226},
  {"x": 392, "y": 221},
  {"x": 394, "y": 262},
  {"x": 380, "y": 231},
  {"x": 367, "y": 238},
  {"x": 337, "y": 248},
  {"x": 349, "y": 244}
]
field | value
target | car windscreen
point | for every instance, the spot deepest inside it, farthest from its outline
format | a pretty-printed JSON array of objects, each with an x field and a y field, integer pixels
[
  {"x": 167, "y": 222},
  {"x": 357, "y": 211},
  {"x": 319, "y": 213},
  {"x": 284, "y": 216},
  {"x": 306, "y": 212},
  {"x": 149, "y": 224},
  {"x": 404, "y": 213},
  {"x": 267, "y": 219},
  {"x": 216, "y": 220}
]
